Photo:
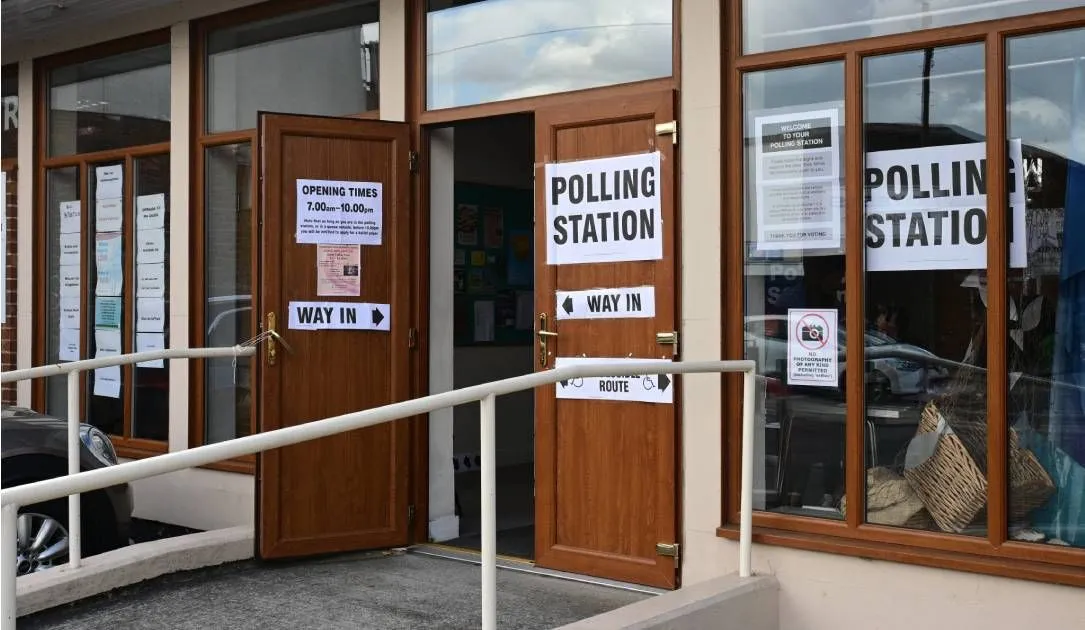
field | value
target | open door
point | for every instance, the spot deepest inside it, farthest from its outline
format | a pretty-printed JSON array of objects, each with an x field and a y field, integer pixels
[
  {"x": 344, "y": 336},
  {"x": 606, "y": 498}
]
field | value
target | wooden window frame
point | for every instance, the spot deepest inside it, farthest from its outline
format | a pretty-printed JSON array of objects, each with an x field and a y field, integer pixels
[
  {"x": 995, "y": 554},
  {"x": 126, "y": 446},
  {"x": 201, "y": 141}
]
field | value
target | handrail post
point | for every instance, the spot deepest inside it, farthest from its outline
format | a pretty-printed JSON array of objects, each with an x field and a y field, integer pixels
[
  {"x": 487, "y": 413},
  {"x": 75, "y": 519},
  {"x": 745, "y": 523},
  {"x": 9, "y": 553}
]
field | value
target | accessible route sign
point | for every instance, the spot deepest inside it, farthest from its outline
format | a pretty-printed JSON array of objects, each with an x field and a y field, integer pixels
[{"x": 649, "y": 388}]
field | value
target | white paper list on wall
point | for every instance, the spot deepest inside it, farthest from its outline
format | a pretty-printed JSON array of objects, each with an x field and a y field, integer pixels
[
  {"x": 107, "y": 380},
  {"x": 109, "y": 262}
]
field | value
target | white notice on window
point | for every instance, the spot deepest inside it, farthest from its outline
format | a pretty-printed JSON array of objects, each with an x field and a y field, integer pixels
[
  {"x": 151, "y": 280},
  {"x": 150, "y": 246},
  {"x": 108, "y": 215},
  {"x": 107, "y": 380},
  {"x": 149, "y": 342},
  {"x": 812, "y": 347},
  {"x": 150, "y": 315},
  {"x": 150, "y": 211},
  {"x": 339, "y": 213},
  {"x": 69, "y": 312},
  {"x": 69, "y": 344},
  {"x": 70, "y": 248},
  {"x": 69, "y": 281},
  {"x": 70, "y": 217},
  {"x": 109, "y": 182},
  {"x": 797, "y": 161},
  {"x": 604, "y": 210},
  {"x": 649, "y": 388}
]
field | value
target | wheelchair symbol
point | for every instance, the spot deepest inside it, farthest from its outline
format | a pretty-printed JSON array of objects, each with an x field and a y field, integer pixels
[
  {"x": 578, "y": 382},
  {"x": 648, "y": 383}
]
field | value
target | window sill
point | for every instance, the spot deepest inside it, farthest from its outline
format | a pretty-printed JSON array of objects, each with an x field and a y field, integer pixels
[{"x": 921, "y": 556}]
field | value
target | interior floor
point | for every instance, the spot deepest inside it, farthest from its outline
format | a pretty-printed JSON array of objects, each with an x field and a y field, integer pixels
[{"x": 515, "y": 510}]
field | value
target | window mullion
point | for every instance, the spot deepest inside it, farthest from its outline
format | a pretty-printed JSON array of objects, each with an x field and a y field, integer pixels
[{"x": 854, "y": 465}]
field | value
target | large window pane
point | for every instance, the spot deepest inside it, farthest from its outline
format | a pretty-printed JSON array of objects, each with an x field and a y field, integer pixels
[
  {"x": 64, "y": 280},
  {"x": 109, "y": 103},
  {"x": 105, "y": 313},
  {"x": 324, "y": 61},
  {"x": 794, "y": 284},
  {"x": 480, "y": 52},
  {"x": 778, "y": 24},
  {"x": 150, "y": 381},
  {"x": 1045, "y": 89},
  {"x": 925, "y": 290},
  {"x": 228, "y": 312}
]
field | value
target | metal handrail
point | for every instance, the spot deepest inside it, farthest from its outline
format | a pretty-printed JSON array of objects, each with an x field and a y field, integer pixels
[{"x": 485, "y": 394}]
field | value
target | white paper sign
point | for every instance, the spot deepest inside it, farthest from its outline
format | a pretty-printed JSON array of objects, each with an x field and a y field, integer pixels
[
  {"x": 150, "y": 211},
  {"x": 69, "y": 281},
  {"x": 108, "y": 215},
  {"x": 70, "y": 217},
  {"x": 798, "y": 180},
  {"x": 812, "y": 346},
  {"x": 69, "y": 344},
  {"x": 109, "y": 263},
  {"x": 339, "y": 213},
  {"x": 150, "y": 315},
  {"x": 107, "y": 381},
  {"x": 109, "y": 180},
  {"x": 340, "y": 316},
  {"x": 69, "y": 312},
  {"x": 927, "y": 208},
  {"x": 70, "y": 246},
  {"x": 151, "y": 280},
  {"x": 150, "y": 246},
  {"x": 149, "y": 342},
  {"x": 604, "y": 210},
  {"x": 621, "y": 302},
  {"x": 649, "y": 388}
]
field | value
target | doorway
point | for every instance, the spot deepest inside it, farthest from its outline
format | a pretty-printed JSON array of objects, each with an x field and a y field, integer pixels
[{"x": 482, "y": 214}]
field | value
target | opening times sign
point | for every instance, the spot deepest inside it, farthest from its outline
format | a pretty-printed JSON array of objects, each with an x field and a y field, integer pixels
[{"x": 339, "y": 213}]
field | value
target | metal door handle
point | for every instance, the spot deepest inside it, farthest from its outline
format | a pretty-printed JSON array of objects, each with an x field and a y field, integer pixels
[
  {"x": 544, "y": 334},
  {"x": 272, "y": 337}
]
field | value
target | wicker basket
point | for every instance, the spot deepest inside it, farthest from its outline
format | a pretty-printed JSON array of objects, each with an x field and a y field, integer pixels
[
  {"x": 891, "y": 500},
  {"x": 1030, "y": 485},
  {"x": 950, "y": 484}
]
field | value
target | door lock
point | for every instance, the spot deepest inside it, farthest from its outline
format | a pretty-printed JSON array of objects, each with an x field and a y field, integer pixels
[{"x": 544, "y": 334}]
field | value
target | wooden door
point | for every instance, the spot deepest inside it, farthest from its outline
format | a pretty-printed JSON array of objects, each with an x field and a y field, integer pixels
[
  {"x": 605, "y": 469},
  {"x": 348, "y": 491}
]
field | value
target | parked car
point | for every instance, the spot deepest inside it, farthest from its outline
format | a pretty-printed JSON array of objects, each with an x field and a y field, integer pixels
[{"x": 35, "y": 448}]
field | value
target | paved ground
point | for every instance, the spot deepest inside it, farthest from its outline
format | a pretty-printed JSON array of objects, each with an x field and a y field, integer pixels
[{"x": 370, "y": 590}]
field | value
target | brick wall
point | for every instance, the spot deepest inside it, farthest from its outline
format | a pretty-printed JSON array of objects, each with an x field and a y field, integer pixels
[{"x": 9, "y": 334}]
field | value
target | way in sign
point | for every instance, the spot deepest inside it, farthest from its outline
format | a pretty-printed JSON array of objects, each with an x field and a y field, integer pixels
[
  {"x": 340, "y": 316},
  {"x": 620, "y": 302}
]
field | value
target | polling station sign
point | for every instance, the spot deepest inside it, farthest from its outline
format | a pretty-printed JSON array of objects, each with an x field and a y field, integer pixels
[
  {"x": 927, "y": 208},
  {"x": 339, "y": 213},
  {"x": 604, "y": 210}
]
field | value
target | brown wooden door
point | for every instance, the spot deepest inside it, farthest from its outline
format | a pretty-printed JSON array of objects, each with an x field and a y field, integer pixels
[
  {"x": 605, "y": 469},
  {"x": 348, "y": 491}
]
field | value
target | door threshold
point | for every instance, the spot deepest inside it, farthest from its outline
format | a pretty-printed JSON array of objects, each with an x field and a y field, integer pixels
[{"x": 522, "y": 565}]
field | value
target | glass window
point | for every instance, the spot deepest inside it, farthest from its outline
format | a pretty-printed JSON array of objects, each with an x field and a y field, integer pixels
[
  {"x": 794, "y": 273},
  {"x": 64, "y": 269},
  {"x": 925, "y": 289},
  {"x": 779, "y": 24},
  {"x": 10, "y": 111},
  {"x": 228, "y": 313},
  {"x": 1045, "y": 91},
  {"x": 105, "y": 312},
  {"x": 325, "y": 62},
  {"x": 151, "y": 306},
  {"x": 110, "y": 103},
  {"x": 481, "y": 52}
]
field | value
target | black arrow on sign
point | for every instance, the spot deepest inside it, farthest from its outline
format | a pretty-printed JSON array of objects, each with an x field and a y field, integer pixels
[
  {"x": 564, "y": 383},
  {"x": 568, "y": 305},
  {"x": 663, "y": 382},
  {"x": 378, "y": 316}
]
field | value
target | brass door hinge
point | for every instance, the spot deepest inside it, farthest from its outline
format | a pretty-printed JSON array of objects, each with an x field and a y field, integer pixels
[
  {"x": 669, "y": 550},
  {"x": 412, "y": 161},
  {"x": 412, "y": 338},
  {"x": 668, "y": 129}
]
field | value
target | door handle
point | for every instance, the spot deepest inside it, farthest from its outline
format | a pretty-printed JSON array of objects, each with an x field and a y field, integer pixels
[
  {"x": 544, "y": 334},
  {"x": 272, "y": 337}
]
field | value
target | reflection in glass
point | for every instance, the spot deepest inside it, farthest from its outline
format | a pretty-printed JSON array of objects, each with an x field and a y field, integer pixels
[
  {"x": 325, "y": 62},
  {"x": 109, "y": 103},
  {"x": 1045, "y": 90},
  {"x": 794, "y": 170},
  {"x": 925, "y": 290},
  {"x": 481, "y": 52},
  {"x": 10, "y": 111},
  {"x": 150, "y": 382},
  {"x": 228, "y": 312},
  {"x": 61, "y": 185},
  {"x": 778, "y": 24},
  {"x": 104, "y": 312}
]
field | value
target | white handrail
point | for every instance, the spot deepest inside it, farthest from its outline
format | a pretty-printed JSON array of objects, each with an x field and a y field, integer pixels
[{"x": 12, "y": 498}]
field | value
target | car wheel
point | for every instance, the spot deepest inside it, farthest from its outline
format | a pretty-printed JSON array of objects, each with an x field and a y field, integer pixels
[{"x": 42, "y": 537}]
